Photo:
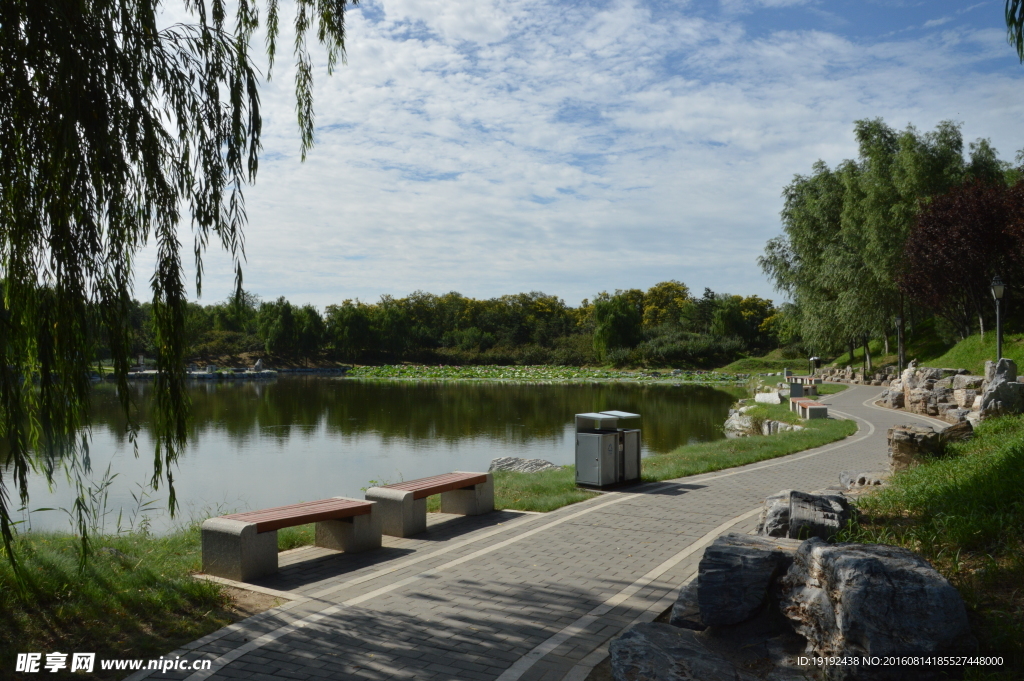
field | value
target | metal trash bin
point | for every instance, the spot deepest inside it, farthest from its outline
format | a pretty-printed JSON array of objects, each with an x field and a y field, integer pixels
[{"x": 606, "y": 454}]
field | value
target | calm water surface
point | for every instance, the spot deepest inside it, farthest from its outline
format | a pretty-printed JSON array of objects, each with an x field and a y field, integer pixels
[{"x": 256, "y": 444}]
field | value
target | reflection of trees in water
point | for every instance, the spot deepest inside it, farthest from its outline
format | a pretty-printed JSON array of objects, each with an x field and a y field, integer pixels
[{"x": 446, "y": 412}]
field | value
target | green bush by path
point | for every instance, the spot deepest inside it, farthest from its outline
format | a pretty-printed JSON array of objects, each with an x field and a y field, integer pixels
[{"x": 965, "y": 513}]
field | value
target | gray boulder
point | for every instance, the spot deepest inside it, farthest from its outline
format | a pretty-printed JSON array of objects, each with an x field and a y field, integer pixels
[
  {"x": 911, "y": 444},
  {"x": 967, "y": 382},
  {"x": 661, "y": 652},
  {"x": 735, "y": 573},
  {"x": 871, "y": 599},
  {"x": 1002, "y": 393},
  {"x": 817, "y": 514},
  {"x": 854, "y": 479},
  {"x": 770, "y": 397},
  {"x": 686, "y": 610},
  {"x": 514, "y": 463},
  {"x": 774, "y": 520}
]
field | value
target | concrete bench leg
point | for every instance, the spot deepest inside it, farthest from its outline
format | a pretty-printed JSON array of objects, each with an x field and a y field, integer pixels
[
  {"x": 351, "y": 535},
  {"x": 470, "y": 500},
  {"x": 400, "y": 514},
  {"x": 817, "y": 412},
  {"x": 232, "y": 549}
]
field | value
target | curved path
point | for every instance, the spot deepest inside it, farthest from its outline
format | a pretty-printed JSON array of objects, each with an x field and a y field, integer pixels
[{"x": 516, "y": 596}]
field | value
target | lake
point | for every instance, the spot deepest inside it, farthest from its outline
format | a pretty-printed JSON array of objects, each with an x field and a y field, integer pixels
[{"x": 260, "y": 444}]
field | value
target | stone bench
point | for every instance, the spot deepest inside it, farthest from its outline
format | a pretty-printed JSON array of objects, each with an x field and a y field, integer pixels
[
  {"x": 794, "y": 403},
  {"x": 243, "y": 546},
  {"x": 403, "y": 506},
  {"x": 810, "y": 409}
]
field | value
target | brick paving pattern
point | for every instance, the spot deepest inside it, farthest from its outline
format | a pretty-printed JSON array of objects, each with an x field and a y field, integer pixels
[{"x": 511, "y": 595}]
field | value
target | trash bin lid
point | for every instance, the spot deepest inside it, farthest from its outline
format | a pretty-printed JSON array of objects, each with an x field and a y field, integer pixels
[{"x": 621, "y": 414}]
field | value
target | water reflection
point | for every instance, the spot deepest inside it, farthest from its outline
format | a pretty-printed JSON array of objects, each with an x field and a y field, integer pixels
[{"x": 256, "y": 444}]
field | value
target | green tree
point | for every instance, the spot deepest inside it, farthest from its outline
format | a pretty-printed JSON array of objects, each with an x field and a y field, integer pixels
[
  {"x": 349, "y": 328},
  {"x": 842, "y": 253},
  {"x": 310, "y": 331},
  {"x": 617, "y": 322},
  {"x": 278, "y": 327},
  {"x": 110, "y": 129},
  {"x": 664, "y": 304}
]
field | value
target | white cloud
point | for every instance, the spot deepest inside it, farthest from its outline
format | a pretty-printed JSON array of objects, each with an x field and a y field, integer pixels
[
  {"x": 932, "y": 23},
  {"x": 518, "y": 145}
]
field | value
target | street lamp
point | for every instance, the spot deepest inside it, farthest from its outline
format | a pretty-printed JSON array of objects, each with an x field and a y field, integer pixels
[
  {"x": 899, "y": 342},
  {"x": 997, "y": 292}
]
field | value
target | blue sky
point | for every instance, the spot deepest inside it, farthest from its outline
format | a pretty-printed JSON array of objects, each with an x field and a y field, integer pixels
[{"x": 500, "y": 146}]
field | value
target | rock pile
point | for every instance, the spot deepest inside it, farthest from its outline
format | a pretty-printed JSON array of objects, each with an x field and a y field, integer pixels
[
  {"x": 762, "y": 605},
  {"x": 881, "y": 377},
  {"x": 740, "y": 425}
]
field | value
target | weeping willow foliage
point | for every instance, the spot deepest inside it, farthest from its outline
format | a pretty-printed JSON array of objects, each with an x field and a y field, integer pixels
[{"x": 114, "y": 131}]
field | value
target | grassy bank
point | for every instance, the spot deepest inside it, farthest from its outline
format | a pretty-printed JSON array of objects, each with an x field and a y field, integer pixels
[
  {"x": 135, "y": 598},
  {"x": 965, "y": 513},
  {"x": 531, "y": 373}
]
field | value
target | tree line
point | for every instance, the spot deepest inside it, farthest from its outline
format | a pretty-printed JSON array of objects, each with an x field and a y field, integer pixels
[
  {"x": 664, "y": 325},
  {"x": 914, "y": 229}
]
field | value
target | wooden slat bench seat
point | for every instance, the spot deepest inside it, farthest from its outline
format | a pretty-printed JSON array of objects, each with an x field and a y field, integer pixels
[
  {"x": 243, "y": 546},
  {"x": 301, "y": 514},
  {"x": 403, "y": 505}
]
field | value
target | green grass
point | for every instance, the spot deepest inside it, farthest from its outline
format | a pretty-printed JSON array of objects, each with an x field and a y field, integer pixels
[
  {"x": 134, "y": 598},
  {"x": 536, "y": 373},
  {"x": 713, "y": 456},
  {"x": 972, "y": 353},
  {"x": 830, "y": 388},
  {"x": 762, "y": 365},
  {"x": 965, "y": 513}
]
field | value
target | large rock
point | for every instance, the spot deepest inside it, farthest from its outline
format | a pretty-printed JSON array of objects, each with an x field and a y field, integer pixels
[
  {"x": 967, "y": 382},
  {"x": 964, "y": 397},
  {"x": 799, "y": 515},
  {"x": 875, "y": 600},
  {"x": 661, "y": 652},
  {"x": 686, "y": 609},
  {"x": 909, "y": 445},
  {"x": 817, "y": 515},
  {"x": 514, "y": 463},
  {"x": 1002, "y": 394},
  {"x": 734, "y": 575},
  {"x": 774, "y": 520},
  {"x": 770, "y": 397},
  {"x": 894, "y": 398}
]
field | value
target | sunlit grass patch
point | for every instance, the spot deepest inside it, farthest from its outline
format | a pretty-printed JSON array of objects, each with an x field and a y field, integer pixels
[{"x": 965, "y": 513}]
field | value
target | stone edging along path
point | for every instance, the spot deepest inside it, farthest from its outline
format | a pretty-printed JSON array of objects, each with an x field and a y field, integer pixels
[{"x": 516, "y": 596}]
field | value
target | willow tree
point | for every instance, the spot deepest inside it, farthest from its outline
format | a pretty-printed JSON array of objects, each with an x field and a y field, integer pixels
[
  {"x": 842, "y": 252},
  {"x": 114, "y": 132}
]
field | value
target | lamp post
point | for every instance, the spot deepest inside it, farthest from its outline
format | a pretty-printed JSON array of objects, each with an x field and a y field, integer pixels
[
  {"x": 899, "y": 343},
  {"x": 997, "y": 292}
]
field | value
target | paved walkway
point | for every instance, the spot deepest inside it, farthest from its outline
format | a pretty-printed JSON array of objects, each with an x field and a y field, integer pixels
[{"x": 514, "y": 596}]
